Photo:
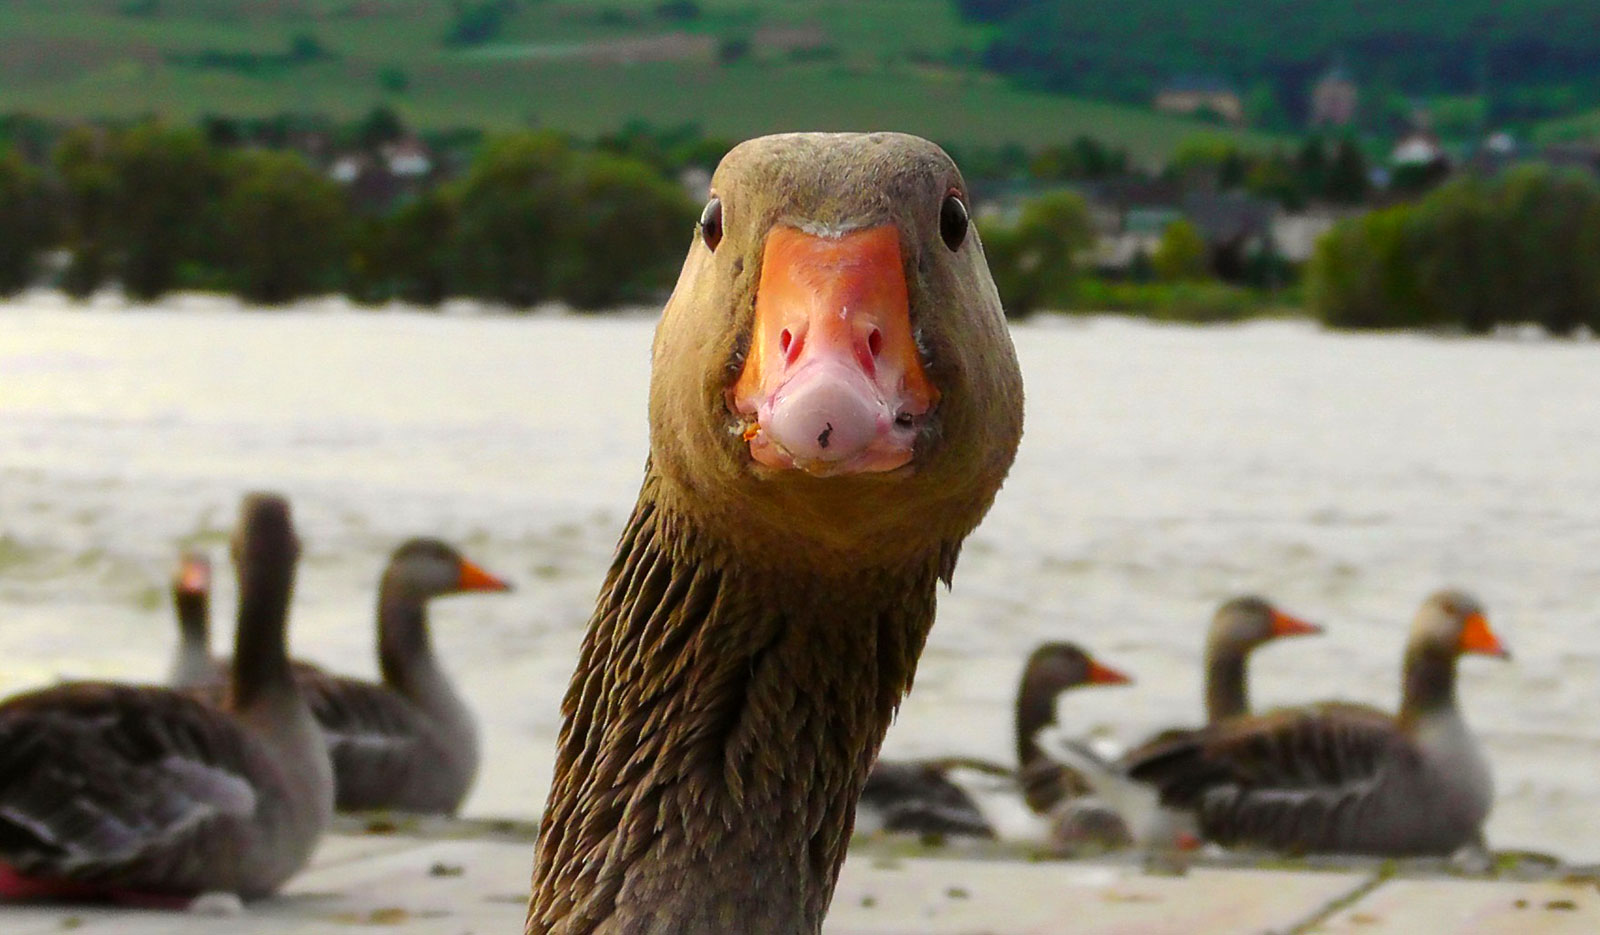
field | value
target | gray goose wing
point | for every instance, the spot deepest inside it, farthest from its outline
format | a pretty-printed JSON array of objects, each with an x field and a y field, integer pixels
[
  {"x": 125, "y": 786},
  {"x": 1299, "y": 780},
  {"x": 379, "y": 742}
]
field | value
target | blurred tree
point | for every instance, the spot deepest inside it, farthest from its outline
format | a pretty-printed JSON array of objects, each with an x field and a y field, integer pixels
[
  {"x": 516, "y": 215},
  {"x": 1181, "y": 254},
  {"x": 1461, "y": 257},
  {"x": 24, "y": 222},
  {"x": 1347, "y": 174},
  {"x": 418, "y": 253},
  {"x": 167, "y": 181},
  {"x": 629, "y": 234},
  {"x": 1083, "y": 158},
  {"x": 380, "y": 125},
  {"x": 1311, "y": 165},
  {"x": 285, "y": 228},
  {"x": 89, "y": 185},
  {"x": 1551, "y": 245},
  {"x": 1274, "y": 177},
  {"x": 1208, "y": 161},
  {"x": 1363, "y": 273},
  {"x": 1036, "y": 261}
]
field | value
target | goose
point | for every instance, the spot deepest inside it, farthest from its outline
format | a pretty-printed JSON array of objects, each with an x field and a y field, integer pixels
[
  {"x": 834, "y": 403},
  {"x": 191, "y": 600},
  {"x": 408, "y": 743},
  {"x": 1240, "y": 626},
  {"x": 1058, "y": 767},
  {"x": 940, "y": 796},
  {"x": 1343, "y": 778},
  {"x": 144, "y": 794}
]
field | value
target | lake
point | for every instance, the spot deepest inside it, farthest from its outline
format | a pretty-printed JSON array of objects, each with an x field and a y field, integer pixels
[{"x": 1163, "y": 469}]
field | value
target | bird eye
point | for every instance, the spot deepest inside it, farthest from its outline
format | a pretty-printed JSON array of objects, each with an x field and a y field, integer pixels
[
  {"x": 953, "y": 220},
  {"x": 711, "y": 223}
]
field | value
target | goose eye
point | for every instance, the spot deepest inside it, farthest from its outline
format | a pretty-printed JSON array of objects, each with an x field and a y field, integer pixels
[
  {"x": 953, "y": 221},
  {"x": 711, "y": 223}
]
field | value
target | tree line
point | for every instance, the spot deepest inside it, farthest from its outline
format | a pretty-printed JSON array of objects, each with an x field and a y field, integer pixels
[
  {"x": 1522, "y": 247},
  {"x": 156, "y": 208}
]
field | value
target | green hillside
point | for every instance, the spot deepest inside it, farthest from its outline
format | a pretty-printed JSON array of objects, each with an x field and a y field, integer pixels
[
  {"x": 734, "y": 67},
  {"x": 1527, "y": 61}
]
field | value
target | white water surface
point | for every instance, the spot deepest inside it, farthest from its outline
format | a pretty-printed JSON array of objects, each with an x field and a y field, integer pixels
[{"x": 1163, "y": 469}]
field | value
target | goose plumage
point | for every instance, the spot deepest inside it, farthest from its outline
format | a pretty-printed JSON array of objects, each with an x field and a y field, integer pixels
[
  {"x": 144, "y": 793},
  {"x": 834, "y": 403},
  {"x": 408, "y": 742},
  {"x": 1346, "y": 778}
]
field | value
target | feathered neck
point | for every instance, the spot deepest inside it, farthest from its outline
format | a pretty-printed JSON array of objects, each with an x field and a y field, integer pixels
[
  {"x": 405, "y": 645},
  {"x": 1036, "y": 707},
  {"x": 1225, "y": 682},
  {"x": 1428, "y": 682},
  {"x": 717, "y": 733}
]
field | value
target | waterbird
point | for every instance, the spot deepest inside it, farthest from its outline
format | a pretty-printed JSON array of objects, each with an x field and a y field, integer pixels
[
  {"x": 1345, "y": 778},
  {"x": 834, "y": 403},
  {"x": 408, "y": 742},
  {"x": 147, "y": 795}
]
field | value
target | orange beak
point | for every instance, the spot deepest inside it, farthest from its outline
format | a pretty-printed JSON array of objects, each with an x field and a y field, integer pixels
[
  {"x": 1285, "y": 625},
  {"x": 1476, "y": 637},
  {"x": 1105, "y": 675},
  {"x": 833, "y": 382},
  {"x": 194, "y": 574},
  {"x": 474, "y": 578}
]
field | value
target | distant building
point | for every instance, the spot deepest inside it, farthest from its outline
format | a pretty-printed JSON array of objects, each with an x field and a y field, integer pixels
[
  {"x": 1418, "y": 148},
  {"x": 1333, "y": 99},
  {"x": 1196, "y": 96},
  {"x": 408, "y": 158}
]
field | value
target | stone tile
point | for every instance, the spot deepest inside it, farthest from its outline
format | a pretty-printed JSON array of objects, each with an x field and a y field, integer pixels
[
  {"x": 1471, "y": 907},
  {"x": 955, "y": 897}
]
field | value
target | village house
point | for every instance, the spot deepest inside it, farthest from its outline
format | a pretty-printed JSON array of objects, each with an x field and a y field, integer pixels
[
  {"x": 1333, "y": 99},
  {"x": 1194, "y": 96}
]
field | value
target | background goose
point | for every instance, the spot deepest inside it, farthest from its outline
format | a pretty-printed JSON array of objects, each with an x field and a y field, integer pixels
[
  {"x": 409, "y": 743},
  {"x": 1346, "y": 778},
  {"x": 144, "y": 793},
  {"x": 834, "y": 403},
  {"x": 1239, "y": 627},
  {"x": 948, "y": 796},
  {"x": 191, "y": 601},
  {"x": 1059, "y": 768}
]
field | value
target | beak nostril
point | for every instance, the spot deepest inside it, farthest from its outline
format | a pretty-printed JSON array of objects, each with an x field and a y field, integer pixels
[
  {"x": 875, "y": 342},
  {"x": 784, "y": 340}
]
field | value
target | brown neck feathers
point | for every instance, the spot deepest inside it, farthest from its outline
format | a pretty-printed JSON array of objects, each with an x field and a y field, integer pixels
[
  {"x": 1225, "y": 680},
  {"x": 716, "y": 736}
]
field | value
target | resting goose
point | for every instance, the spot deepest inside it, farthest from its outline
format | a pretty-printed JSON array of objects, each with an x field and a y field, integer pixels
[
  {"x": 834, "y": 403},
  {"x": 191, "y": 600},
  {"x": 409, "y": 743},
  {"x": 1240, "y": 626},
  {"x": 1053, "y": 668},
  {"x": 1340, "y": 778},
  {"x": 147, "y": 794},
  {"x": 1057, "y": 767},
  {"x": 936, "y": 796}
]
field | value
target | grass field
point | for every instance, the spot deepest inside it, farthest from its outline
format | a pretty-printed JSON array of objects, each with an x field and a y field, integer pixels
[{"x": 583, "y": 68}]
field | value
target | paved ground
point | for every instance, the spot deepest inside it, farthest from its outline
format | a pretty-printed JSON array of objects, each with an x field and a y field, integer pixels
[{"x": 442, "y": 881}]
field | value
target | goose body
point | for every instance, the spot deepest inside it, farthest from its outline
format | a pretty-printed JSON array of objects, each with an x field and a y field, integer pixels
[
  {"x": 1345, "y": 778},
  {"x": 834, "y": 403},
  {"x": 1056, "y": 768},
  {"x": 408, "y": 743},
  {"x": 945, "y": 796},
  {"x": 144, "y": 793}
]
